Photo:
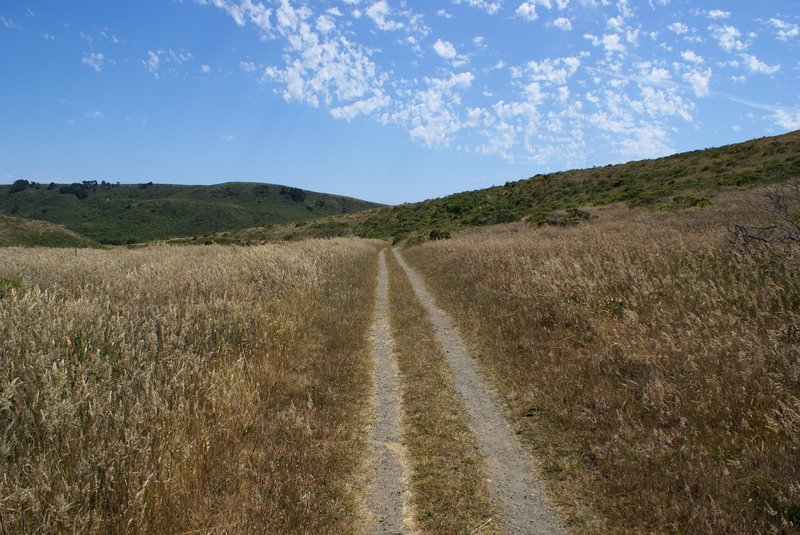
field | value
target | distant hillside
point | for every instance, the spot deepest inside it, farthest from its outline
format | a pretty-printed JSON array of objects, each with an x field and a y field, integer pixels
[
  {"x": 673, "y": 182},
  {"x": 129, "y": 213},
  {"x": 18, "y": 231},
  {"x": 670, "y": 183}
]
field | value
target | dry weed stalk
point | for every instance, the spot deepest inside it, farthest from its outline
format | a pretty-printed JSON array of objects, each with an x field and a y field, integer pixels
[
  {"x": 653, "y": 369},
  {"x": 172, "y": 389}
]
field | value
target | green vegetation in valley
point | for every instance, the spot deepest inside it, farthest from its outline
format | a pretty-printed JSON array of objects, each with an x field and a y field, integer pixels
[{"x": 120, "y": 214}]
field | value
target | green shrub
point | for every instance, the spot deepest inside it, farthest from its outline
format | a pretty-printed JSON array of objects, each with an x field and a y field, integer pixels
[{"x": 437, "y": 234}]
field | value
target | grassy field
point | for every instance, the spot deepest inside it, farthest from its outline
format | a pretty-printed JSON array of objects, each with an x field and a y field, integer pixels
[
  {"x": 651, "y": 366},
  {"x": 130, "y": 213},
  {"x": 184, "y": 389}
]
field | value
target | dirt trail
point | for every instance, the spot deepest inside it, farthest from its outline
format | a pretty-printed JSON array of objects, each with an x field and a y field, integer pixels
[
  {"x": 514, "y": 484},
  {"x": 388, "y": 481}
]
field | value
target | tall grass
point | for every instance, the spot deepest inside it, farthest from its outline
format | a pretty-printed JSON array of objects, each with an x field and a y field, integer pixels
[
  {"x": 654, "y": 369},
  {"x": 167, "y": 389}
]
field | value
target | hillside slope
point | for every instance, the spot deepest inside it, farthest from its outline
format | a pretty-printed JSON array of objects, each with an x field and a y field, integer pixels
[
  {"x": 18, "y": 231},
  {"x": 129, "y": 213},
  {"x": 674, "y": 182}
]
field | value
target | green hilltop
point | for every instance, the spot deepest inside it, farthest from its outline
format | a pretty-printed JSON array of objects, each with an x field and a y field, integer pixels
[{"x": 117, "y": 214}]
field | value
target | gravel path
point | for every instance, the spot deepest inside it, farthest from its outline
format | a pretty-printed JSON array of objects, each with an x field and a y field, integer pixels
[
  {"x": 514, "y": 484},
  {"x": 388, "y": 481}
]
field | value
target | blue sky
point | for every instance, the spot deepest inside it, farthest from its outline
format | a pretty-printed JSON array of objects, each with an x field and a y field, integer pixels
[{"x": 386, "y": 100}]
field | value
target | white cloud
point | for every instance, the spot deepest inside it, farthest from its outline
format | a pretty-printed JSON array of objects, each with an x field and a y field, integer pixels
[
  {"x": 563, "y": 23},
  {"x": 692, "y": 57},
  {"x": 719, "y": 14},
  {"x": 10, "y": 24},
  {"x": 432, "y": 116},
  {"x": 94, "y": 60},
  {"x": 321, "y": 68},
  {"x": 540, "y": 113},
  {"x": 679, "y": 28},
  {"x": 160, "y": 61},
  {"x": 788, "y": 119},
  {"x": 549, "y": 4},
  {"x": 227, "y": 138},
  {"x": 361, "y": 107},
  {"x": 650, "y": 74},
  {"x": 784, "y": 30},
  {"x": 756, "y": 66},
  {"x": 205, "y": 69},
  {"x": 96, "y": 115},
  {"x": 527, "y": 11},
  {"x": 379, "y": 13},
  {"x": 445, "y": 49},
  {"x": 244, "y": 11},
  {"x": 699, "y": 80},
  {"x": 553, "y": 71},
  {"x": 325, "y": 24},
  {"x": 613, "y": 43},
  {"x": 489, "y": 7},
  {"x": 646, "y": 141},
  {"x": 728, "y": 38}
]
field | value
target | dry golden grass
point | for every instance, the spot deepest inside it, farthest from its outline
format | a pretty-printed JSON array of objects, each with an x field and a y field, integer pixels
[
  {"x": 173, "y": 389},
  {"x": 447, "y": 480},
  {"x": 653, "y": 369}
]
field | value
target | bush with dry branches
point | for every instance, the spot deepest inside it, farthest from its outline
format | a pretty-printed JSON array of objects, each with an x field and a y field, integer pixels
[{"x": 782, "y": 204}]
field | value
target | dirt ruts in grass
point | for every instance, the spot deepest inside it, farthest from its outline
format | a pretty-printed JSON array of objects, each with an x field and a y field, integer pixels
[
  {"x": 388, "y": 483},
  {"x": 449, "y": 492},
  {"x": 514, "y": 484}
]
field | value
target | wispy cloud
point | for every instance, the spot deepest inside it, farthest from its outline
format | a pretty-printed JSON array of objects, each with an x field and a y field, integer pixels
[
  {"x": 487, "y": 6},
  {"x": 94, "y": 60},
  {"x": 160, "y": 62},
  {"x": 10, "y": 24}
]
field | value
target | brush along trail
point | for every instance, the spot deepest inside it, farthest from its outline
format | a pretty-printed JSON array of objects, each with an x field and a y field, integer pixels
[{"x": 513, "y": 483}]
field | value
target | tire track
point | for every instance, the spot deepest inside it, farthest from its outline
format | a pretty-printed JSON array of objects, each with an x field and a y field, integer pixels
[
  {"x": 514, "y": 484},
  {"x": 388, "y": 482}
]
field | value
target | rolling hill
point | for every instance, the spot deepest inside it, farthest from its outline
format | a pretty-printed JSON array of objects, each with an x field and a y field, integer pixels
[
  {"x": 251, "y": 213},
  {"x": 670, "y": 183},
  {"x": 117, "y": 214},
  {"x": 18, "y": 231}
]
